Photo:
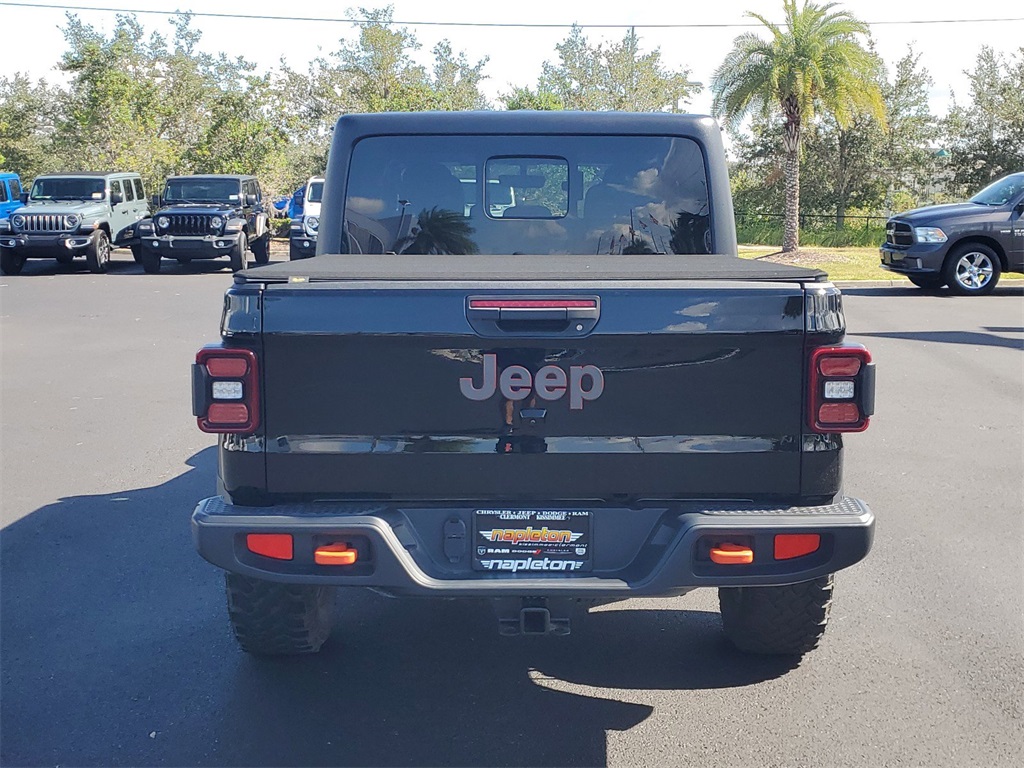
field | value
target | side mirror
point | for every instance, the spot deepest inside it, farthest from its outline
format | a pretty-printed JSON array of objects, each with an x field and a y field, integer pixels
[
  {"x": 116, "y": 198},
  {"x": 251, "y": 200},
  {"x": 24, "y": 198},
  {"x": 154, "y": 202},
  {"x": 1019, "y": 208}
]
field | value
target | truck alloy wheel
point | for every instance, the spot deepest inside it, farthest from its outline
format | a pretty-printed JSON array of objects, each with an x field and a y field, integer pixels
[
  {"x": 972, "y": 270},
  {"x": 97, "y": 253}
]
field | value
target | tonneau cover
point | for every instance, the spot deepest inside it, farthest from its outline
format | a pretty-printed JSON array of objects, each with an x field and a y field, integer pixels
[{"x": 533, "y": 268}]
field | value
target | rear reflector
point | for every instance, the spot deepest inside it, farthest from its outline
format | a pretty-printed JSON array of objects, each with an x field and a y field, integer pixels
[
  {"x": 337, "y": 553},
  {"x": 227, "y": 367},
  {"x": 732, "y": 554},
  {"x": 227, "y": 413},
  {"x": 838, "y": 413},
  {"x": 275, "y": 545},
  {"x": 790, "y": 545},
  {"x": 839, "y": 366}
]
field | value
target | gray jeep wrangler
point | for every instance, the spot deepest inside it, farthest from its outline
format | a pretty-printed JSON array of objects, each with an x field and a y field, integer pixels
[
  {"x": 74, "y": 214},
  {"x": 206, "y": 217}
]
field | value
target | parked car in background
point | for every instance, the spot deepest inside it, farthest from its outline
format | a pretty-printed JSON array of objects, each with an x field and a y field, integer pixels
[
  {"x": 206, "y": 217},
  {"x": 71, "y": 214},
  {"x": 966, "y": 246},
  {"x": 302, "y": 239},
  {"x": 10, "y": 193}
]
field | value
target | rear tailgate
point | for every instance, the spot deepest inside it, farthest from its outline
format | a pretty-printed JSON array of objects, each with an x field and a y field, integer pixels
[{"x": 381, "y": 388}]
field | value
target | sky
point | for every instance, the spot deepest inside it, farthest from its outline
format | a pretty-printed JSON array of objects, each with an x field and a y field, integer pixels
[{"x": 516, "y": 54}]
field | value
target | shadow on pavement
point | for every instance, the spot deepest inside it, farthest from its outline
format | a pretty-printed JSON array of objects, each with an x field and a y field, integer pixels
[
  {"x": 116, "y": 651},
  {"x": 973, "y": 338}
]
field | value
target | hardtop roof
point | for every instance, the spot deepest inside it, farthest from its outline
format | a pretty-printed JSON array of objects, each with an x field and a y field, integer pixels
[
  {"x": 235, "y": 176},
  {"x": 86, "y": 174},
  {"x": 527, "y": 122}
]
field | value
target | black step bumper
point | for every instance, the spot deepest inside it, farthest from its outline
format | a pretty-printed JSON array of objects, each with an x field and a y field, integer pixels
[{"x": 656, "y": 549}]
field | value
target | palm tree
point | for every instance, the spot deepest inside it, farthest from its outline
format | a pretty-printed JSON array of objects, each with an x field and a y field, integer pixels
[
  {"x": 438, "y": 231},
  {"x": 815, "y": 61}
]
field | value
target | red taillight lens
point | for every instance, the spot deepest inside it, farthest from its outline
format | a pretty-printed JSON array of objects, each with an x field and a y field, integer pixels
[
  {"x": 225, "y": 390},
  {"x": 841, "y": 391},
  {"x": 839, "y": 365},
  {"x": 533, "y": 304},
  {"x": 227, "y": 367},
  {"x": 838, "y": 413},
  {"x": 227, "y": 413},
  {"x": 275, "y": 545},
  {"x": 790, "y": 545}
]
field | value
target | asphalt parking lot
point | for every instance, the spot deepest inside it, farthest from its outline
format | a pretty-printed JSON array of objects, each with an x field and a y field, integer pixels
[{"x": 115, "y": 650}]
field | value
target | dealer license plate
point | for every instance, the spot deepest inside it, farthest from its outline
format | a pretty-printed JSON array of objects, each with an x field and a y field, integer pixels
[{"x": 534, "y": 541}]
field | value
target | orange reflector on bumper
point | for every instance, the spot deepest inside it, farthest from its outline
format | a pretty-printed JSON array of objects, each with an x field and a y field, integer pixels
[
  {"x": 335, "y": 554},
  {"x": 732, "y": 554},
  {"x": 790, "y": 545},
  {"x": 275, "y": 545}
]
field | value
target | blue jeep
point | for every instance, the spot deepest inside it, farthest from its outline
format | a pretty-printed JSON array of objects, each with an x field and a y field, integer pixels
[{"x": 10, "y": 193}]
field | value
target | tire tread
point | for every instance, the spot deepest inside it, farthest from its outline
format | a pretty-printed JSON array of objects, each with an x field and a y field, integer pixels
[
  {"x": 278, "y": 619},
  {"x": 787, "y": 620}
]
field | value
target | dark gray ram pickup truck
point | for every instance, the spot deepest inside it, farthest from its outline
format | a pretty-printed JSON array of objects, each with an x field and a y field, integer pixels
[{"x": 581, "y": 397}]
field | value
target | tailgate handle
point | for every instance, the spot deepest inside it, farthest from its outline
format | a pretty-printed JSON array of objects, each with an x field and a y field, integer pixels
[{"x": 546, "y": 316}]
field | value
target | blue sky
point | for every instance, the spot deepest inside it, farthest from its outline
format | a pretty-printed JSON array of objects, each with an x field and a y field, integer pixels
[{"x": 516, "y": 54}]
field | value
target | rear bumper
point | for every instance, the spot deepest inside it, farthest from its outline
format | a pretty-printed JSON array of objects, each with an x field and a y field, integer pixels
[{"x": 408, "y": 549}]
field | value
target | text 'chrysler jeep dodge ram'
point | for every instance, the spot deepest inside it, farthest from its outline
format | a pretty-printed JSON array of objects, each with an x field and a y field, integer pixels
[{"x": 577, "y": 397}]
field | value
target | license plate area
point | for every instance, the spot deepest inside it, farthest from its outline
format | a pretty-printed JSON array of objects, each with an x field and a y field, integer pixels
[{"x": 533, "y": 541}]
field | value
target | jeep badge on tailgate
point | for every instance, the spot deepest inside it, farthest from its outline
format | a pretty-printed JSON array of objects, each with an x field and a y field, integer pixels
[{"x": 584, "y": 382}]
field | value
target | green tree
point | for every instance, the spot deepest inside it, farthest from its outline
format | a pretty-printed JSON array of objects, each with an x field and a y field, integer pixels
[
  {"x": 986, "y": 136},
  {"x": 907, "y": 161},
  {"x": 611, "y": 76},
  {"x": 109, "y": 122},
  {"x": 522, "y": 97},
  {"x": 28, "y": 116},
  {"x": 814, "y": 62},
  {"x": 456, "y": 82}
]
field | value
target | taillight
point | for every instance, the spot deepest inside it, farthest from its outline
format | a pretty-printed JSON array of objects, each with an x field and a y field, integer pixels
[
  {"x": 841, "y": 394},
  {"x": 225, "y": 390}
]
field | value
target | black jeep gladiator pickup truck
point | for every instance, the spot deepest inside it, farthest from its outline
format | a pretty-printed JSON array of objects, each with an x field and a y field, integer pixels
[{"x": 581, "y": 397}]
